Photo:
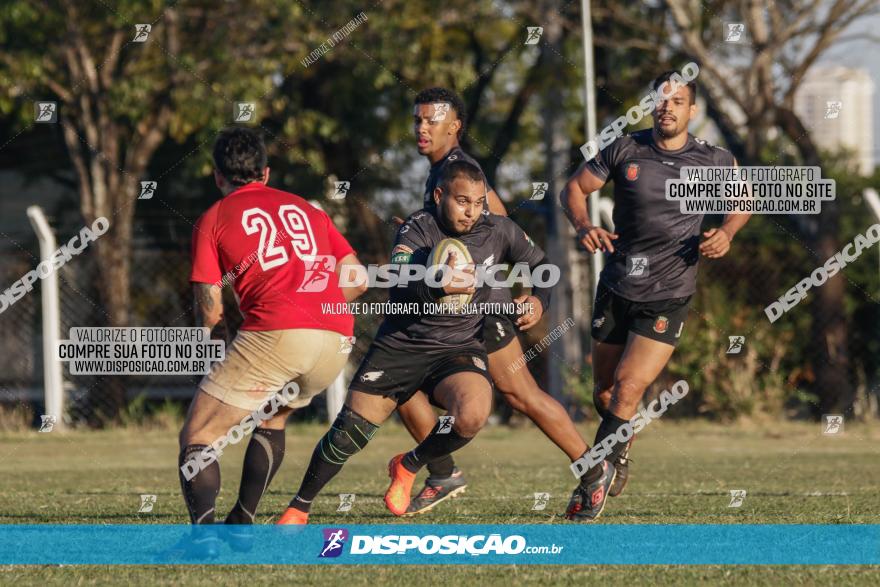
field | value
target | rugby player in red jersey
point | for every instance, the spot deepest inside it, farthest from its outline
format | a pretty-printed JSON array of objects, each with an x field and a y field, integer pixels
[{"x": 282, "y": 256}]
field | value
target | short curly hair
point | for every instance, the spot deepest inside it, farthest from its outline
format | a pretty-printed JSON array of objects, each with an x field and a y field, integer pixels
[
  {"x": 434, "y": 95},
  {"x": 240, "y": 155}
]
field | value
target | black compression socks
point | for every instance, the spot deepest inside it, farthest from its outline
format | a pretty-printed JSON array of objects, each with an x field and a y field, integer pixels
[
  {"x": 261, "y": 461},
  {"x": 433, "y": 447},
  {"x": 608, "y": 427},
  {"x": 441, "y": 468},
  {"x": 200, "y": 491}
]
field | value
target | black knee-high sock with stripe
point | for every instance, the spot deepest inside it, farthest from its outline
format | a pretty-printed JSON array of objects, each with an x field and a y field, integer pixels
[
  {"x": 199, "y": 492},
  {"x": 261, "y": 461}
]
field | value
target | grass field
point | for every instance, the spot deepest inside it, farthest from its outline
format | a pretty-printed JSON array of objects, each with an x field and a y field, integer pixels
[{"x": 682, "y": 474}]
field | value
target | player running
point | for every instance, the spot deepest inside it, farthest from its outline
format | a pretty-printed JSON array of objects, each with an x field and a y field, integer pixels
[
  {"x": 650, "y": 273},
  {"x": 441, "y": 354},
  {"x": 439, "y": 119},
  {"x": 273, "y": 245}
]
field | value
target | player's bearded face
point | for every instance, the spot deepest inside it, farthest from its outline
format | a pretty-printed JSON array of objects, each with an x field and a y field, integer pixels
[
  {"x": 671, "y": 116},
  {"x": 435, "y": 127},
  {"x": 461, "y": 205}
]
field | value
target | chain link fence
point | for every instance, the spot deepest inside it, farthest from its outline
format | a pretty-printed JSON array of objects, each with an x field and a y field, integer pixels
[{"x": 772, "y": 372}]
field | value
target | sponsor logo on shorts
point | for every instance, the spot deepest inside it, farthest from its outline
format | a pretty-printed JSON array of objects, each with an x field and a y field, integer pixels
[
  {"x": 598, "y": 322},
  {"x": 680, "y": 328},
  {"x": 372, "y": 375},
  {"x": 480, "y": 364},
  {"x": 501, "y": 332},
  {"x": 661, "y": 324},
  {"x": 334, "y": 540}
]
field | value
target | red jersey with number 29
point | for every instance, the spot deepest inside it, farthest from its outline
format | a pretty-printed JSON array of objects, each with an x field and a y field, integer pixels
[{"x": 279, "y": 253}]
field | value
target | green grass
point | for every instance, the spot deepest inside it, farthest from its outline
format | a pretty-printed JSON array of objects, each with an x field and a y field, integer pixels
[{"x": 682, "y": 473}]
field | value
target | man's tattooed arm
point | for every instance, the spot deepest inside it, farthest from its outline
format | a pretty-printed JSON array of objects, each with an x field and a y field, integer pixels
[{"x": 209, "y": 310}]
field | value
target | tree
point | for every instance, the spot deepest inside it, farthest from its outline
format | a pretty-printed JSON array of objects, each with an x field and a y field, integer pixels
[{"x": 121, "y": 91}]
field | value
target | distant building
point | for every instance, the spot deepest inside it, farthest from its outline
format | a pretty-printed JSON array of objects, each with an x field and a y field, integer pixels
[{"x": 836, "y": 104}]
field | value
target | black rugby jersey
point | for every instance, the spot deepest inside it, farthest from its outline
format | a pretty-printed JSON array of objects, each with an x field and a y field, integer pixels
[
  {"x": 655, "y": 256},
  {"x": 493, "y": 240}
]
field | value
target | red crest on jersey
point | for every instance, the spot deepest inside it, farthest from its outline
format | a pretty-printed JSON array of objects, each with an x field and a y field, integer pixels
[{"x": 632, "y": 171}]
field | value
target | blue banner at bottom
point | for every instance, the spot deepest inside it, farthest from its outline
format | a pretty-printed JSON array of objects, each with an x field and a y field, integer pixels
[{"x": 442, "y": 544}]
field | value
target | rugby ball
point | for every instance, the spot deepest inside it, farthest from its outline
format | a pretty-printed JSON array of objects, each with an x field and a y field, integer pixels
[{"x": 463, "y": 258}]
